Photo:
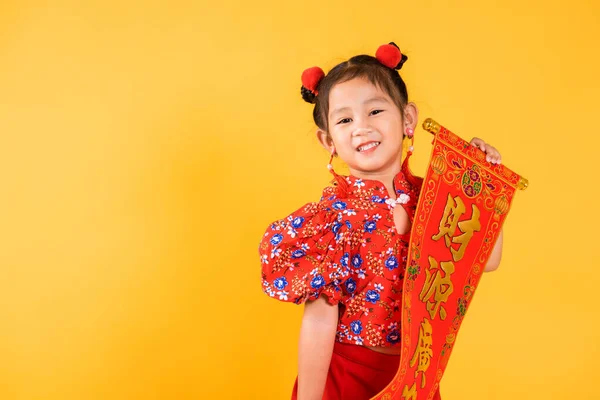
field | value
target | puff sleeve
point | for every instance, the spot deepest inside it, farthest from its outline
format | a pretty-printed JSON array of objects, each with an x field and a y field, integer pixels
[{"x": 307, "y": 254}]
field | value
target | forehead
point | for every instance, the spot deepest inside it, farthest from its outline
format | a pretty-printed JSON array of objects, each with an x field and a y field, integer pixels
[
  {"x": 357, "y": 90},
  {"x": 353, "y": 93}
]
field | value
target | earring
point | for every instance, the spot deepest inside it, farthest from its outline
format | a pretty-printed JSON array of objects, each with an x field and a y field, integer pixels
[
  {"x": 330, "y": 165},
  {"x": 410, "y": 133}
]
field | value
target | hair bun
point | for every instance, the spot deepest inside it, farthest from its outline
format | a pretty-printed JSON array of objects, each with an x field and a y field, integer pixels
[
  {"x": 307, "y": 95},
  {"x": 311, "y": 78},
  {"x": 391, "y": 56},
  {"x": 401, "y": 63}
]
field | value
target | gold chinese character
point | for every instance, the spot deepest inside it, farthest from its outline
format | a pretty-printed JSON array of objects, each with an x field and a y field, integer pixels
[
  {"x": 410, "y": 394},
  {"x": 423, "y": 352},
  {"x": 449, "y": 221},
  {"x": 467, "y": 228},
  {"x": 438, "y": 286},
  {"x": 454, "y": 209}
]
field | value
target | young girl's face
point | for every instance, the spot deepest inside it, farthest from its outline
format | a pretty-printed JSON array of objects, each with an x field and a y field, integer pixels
[{"x": 366, "y": 127}]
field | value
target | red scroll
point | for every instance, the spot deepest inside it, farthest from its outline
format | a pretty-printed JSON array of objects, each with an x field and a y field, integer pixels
[{"x": 463, "y": 203}]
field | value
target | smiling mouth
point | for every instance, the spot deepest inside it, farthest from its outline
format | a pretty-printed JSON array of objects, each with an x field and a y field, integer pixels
[{"x": 368, "y": 146}]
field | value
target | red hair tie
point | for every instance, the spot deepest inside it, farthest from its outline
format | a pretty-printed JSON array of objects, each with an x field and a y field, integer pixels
[
  {"x": 311, "y": 78},
  {"x": 389, "y": 55}
]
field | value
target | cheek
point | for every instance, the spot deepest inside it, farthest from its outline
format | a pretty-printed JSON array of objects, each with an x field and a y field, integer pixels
[
  {"x": 393, "y": 129},
  {"x": 339, "y": 137}
]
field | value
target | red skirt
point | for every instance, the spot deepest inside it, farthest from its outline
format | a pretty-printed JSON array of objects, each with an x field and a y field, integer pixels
[{"x": 358, "y": 373}]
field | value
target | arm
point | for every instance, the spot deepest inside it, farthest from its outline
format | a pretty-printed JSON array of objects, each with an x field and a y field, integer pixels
[
  {"x": 317, "y": 335},
  {"x": 493, "y": 156},
  {"x": 494, "y": 260}
]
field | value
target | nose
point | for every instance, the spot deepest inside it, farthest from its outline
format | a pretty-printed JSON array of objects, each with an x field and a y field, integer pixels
[{"x": 361, "y": 131}]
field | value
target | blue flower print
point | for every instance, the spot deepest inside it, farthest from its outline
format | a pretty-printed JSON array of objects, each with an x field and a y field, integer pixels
[
  {"x": 336, "y": 227},
  {"x": 317, "y": 282},
  {"x": 356, "y": 261},
  {"x": 356, "y": 327},
  {"x": 350, "y": 285},
  {"x": 370, "y": 226},
  {"x": 377, "y": 199},
  {"x": 393, "y": 337},
  {"x": 297, "y": 222},
  {"x": 339, "y": 205},
  {"x": 344, "y": 260},
  {"x": 372, "y": 296},
  {"x": 298, "y": 254},
  {"x": 391, "y": 263},
  {"x": 280, "y": 283},
  {"x": 276, "y": 239},
  {"x": 348, "y": 225}
]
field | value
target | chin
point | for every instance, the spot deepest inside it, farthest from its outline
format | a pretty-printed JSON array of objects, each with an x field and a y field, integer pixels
[
  {"x": 369, "y": 168},
  {"x": 377, "y": 165}
]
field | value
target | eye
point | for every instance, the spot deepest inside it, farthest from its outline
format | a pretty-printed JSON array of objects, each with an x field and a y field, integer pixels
[
  {"x": 375, "y": 112},
  {"x": 344, "y": 121}
]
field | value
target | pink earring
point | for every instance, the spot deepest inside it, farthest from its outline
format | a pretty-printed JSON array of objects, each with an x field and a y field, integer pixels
[{"x": 410, "y": 133}]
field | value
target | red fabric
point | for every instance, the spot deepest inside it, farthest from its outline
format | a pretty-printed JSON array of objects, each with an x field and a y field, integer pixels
[
  {"x": 463, "y": 205},
  {"x": 357, "y": 373},
  {"x": 345, "y": 247}
]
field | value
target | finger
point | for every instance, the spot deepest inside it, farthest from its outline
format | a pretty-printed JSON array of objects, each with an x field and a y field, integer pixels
[
  {"x": 476, "y": 142},
  {"x": 491, "y": 150},
  {"x": 494, "y": 154}
]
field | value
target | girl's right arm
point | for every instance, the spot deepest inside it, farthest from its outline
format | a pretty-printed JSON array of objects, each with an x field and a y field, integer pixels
[{"x": 317, "y": 336}]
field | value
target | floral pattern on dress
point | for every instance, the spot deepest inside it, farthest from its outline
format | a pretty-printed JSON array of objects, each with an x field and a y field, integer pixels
[{"x": 346, "y": 248}]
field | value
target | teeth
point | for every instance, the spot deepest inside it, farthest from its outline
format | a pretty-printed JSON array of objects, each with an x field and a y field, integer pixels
[{"x": 368, "y": 146}]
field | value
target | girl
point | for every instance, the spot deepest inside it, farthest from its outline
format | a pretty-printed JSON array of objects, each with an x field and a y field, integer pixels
[{"x": 344, "y": 257}]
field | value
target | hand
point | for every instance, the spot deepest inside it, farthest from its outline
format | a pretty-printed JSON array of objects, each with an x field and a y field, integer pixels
[{"x": 492, "y": 155}]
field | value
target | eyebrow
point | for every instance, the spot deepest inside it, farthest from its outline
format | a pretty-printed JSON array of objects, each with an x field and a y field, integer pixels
[{"x": 371, "y": 100}]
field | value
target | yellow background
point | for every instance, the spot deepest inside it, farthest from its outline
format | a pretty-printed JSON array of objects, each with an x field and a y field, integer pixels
[{"x": 145, "y": 146}]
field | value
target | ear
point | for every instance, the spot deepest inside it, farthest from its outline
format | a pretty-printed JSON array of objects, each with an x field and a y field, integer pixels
[
  {"x": 411, "y": 116},
  {"x": 325, "y": 141}
]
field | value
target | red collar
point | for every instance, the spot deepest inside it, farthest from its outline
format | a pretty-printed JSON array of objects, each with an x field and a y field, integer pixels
[
  {"x": 374, "y": 191},
  {"x": 368, "y": 188}
]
